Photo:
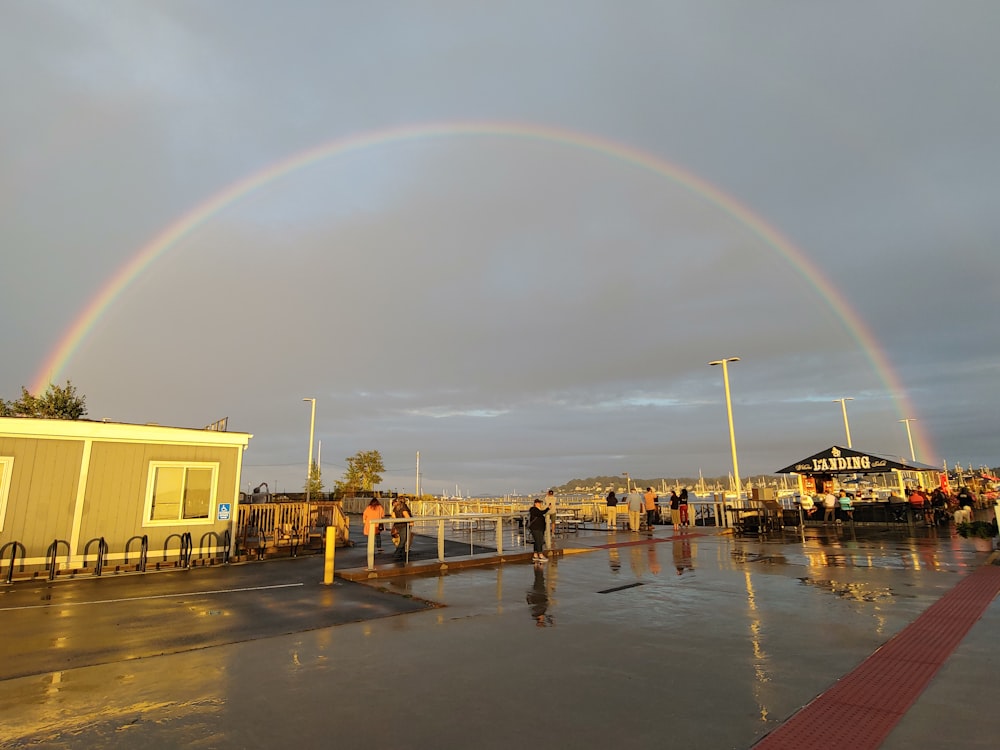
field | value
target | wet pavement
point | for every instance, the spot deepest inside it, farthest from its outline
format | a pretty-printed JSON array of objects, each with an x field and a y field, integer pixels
[{"x": 624, "y": 640}]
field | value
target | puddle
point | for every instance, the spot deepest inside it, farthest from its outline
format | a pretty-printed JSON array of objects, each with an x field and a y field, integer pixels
[
  {"x": 742, "y": 556},
  {"x": 856, "y": 591}
]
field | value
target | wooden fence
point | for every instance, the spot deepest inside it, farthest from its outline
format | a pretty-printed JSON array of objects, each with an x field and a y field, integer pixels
[{"x": 262, "y": 527}]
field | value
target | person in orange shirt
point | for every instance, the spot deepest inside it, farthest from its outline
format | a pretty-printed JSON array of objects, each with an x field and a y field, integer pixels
[
  {"x": 921, "y": 505},
  {"x": 373, "y": 513},
  {"x": 650, "y": 500}
]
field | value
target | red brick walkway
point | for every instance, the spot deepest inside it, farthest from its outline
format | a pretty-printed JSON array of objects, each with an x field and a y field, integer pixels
[{"x": 860, "y": 710}]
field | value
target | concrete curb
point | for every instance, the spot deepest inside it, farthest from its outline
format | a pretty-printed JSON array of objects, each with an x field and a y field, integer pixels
[{"x": 436, "y": 566}]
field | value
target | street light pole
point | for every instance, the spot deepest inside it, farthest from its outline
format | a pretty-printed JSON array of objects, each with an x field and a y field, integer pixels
[
  {"x": 913, "y": 456},
  {"x": 847, "y": 427},
  {"x": 628, "y": 482},
  {"x": 312, "y": 430},
  {"x": 729, "y": 411}
]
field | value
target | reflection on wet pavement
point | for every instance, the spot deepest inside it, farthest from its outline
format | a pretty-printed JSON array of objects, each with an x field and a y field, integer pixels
[
  {"x": 735, "y": 634},
  {"x": 682, "y": 556},
  {"x": 538, "y": 598},
  {"x": 859, "y": 591},
  {"x": 895, "y": 554}
]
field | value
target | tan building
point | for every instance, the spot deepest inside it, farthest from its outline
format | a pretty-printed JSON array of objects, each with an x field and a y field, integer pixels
[{"x": 66, "y": 484}]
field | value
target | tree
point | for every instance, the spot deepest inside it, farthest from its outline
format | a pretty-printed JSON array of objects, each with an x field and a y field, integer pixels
[
  {"x": 363, "y": 472},
  {"x": 57, "y": 403},
  {"x": 314, "y": 485}
]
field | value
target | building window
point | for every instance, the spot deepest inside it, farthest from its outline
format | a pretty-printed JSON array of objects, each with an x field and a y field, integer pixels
[
  {"x": 6, "y": 466},
  {"x": 178, "y": 492}
]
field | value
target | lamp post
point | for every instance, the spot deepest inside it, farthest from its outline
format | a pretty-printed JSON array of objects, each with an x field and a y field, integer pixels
[
  {"x": 628, "y": 482},
  {"x": 913, "y": 456},
  {"x": 847, "y": 426},
  {"x": 729, "y": 411},
  {"x": 312, "y": 430}
]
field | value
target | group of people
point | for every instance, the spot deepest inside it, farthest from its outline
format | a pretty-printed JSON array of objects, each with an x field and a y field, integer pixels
[
  {"x": 644, "y": 510},
  {"x": 400, "y": 532},
  {"x": 374, "y": 513},
  {"x": 938, "y": 507},
  {"x": 935, "y": 507},
  {"x": 830, "y": 503}
]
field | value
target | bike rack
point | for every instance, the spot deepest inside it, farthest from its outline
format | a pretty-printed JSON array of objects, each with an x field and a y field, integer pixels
[
  {"x": 201, "y": 542},
  {"x": 184, "y": 559},
  {"x": 187, "y": 547},
  {"x": 14, "y": 546},
  {"x": 294, "y": 537},
  {"x": 51, "y": 555},
  {"x": 257, "y": 537},
  {"x": 102, "y": 550},
  {"x": 227, "y": 541},
  {"x": 143, "y": 551}
]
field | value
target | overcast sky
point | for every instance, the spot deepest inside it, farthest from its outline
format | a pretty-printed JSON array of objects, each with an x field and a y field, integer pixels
[{"x": 521, "y": 310}]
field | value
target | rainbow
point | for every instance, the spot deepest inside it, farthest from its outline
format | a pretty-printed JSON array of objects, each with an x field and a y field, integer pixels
[{"x": 200, "y": 214}]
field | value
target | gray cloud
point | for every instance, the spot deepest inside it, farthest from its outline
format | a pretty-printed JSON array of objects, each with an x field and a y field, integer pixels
[{"x": 520, "y": 312}]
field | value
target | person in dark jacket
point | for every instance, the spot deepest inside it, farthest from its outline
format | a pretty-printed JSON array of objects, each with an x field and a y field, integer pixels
[
  {"x": 685, "y": 512},
  {"x": 612, "y": 503},
  {"x": 401, "y": 510},
  {"x": 536, "y": 525},
  {"x": 675, "y": 509}
]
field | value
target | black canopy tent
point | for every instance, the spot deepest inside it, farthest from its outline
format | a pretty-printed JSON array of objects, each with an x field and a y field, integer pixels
[{"x": 838, "y": 461}]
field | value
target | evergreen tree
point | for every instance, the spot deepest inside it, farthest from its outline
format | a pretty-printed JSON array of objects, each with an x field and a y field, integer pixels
[{"x": 314, "y": 486}]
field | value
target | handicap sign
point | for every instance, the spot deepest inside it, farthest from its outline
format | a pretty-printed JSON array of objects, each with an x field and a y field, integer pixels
[{"x": 224, "y": 510}]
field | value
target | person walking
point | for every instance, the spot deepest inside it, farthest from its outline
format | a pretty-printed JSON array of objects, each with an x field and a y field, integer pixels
[
  {"x": 635, "y": 504},
  {"x": 650, "y": 499},
  {"x": 612, "y": 503},
  {"x": 401, "y": 530},
  {"x": 373, "y": 513},
  {"x": 537, "y": 526}
]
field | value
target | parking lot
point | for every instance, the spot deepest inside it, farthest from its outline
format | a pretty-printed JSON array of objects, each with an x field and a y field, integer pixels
[{"x": 636, "y": 640}]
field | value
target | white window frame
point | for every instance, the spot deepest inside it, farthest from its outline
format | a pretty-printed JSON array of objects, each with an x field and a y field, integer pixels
[
  {"x": 147, "y": 510},
  {"x": 8, "y": 467}
]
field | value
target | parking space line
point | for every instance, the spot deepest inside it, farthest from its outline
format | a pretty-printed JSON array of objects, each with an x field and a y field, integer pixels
[{"x": 151, "y": 596}]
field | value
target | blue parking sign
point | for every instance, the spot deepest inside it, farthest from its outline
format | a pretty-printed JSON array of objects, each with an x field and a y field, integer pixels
[{"x": 224, "y": 511}]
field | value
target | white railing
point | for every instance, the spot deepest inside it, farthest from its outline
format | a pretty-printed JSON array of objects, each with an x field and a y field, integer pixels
[
  {"x": 709, "y": 509},
  {"x": 496, "y": 519},
  {"x": 587, "y": 508}
]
